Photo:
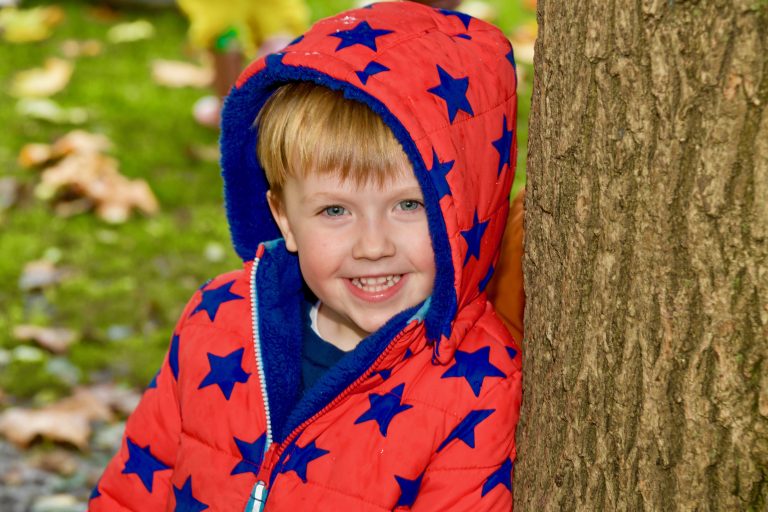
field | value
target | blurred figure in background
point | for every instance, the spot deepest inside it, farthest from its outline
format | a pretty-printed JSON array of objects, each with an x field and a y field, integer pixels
[{"x": 232, "y": 30}]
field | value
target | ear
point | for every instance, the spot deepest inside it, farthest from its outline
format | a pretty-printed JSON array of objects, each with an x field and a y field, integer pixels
[{"x": 277, "y": 208}]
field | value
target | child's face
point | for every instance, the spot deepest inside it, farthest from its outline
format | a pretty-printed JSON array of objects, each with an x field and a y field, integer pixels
[{"x": 364, "y": 251}]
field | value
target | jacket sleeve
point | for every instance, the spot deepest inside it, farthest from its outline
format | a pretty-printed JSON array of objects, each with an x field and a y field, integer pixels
[
  {"x": 473, "y": 471},
  {"x": 138, "y": 476}
]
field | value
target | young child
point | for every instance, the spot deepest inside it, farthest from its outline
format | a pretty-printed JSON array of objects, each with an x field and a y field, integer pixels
[{"x": 354, "y": 363}]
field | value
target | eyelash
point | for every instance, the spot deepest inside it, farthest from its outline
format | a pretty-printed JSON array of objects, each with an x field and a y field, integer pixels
[{"x": 337, "y": 211}]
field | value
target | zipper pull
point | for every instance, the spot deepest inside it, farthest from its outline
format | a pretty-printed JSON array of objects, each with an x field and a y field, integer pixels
[{"x": 258, "y": 499}]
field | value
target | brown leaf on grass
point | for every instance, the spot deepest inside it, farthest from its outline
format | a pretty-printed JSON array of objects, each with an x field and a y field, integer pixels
[
  {"x": 131, "y": 31},
  {"x": 29, "y": 25},
  {"x": 79, "y": 141},
  {"x": 72, "y": 48},
  {"x": 172, "y": 73},
  {"x": 66, "y": 421},
  {"x": 120, "y": 399},
  {"x": 44, "y": 81},
  {"x": 45, "y": 109},
  {"x": 58, "y": 461},
  {"x": 40, "y": 274},
  {"x": 34, "y": 154},
  {"x": 55, "y": 339}
]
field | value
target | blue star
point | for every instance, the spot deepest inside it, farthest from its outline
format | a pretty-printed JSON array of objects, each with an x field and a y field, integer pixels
[
  {"x": 486, "y": 279},
  {"x": 439, "y": 174},
  {"x": 295, "y": 41},
  {"x": 407, "y": 354},
  {"x": 173, "y": 356},
  {"x": 502, "y": 476},
  {"x": 511, "y": 58},
  {"x": 465, "y": 36},
  {"x": 95, "y": 493},
  {"x": 504, "y": 146},
  {"x": 465, "y": 18},
  {"x": 225, "y": 372},
  {"x": 373, "y": 68},
  {"x": 300, "y": 458},
  {"x": 252, "y": 453},
  {"x": 142, "y": 463},
  {"x": 454, "y": 92},
  {"x": 384, "y": 374},
  {"x": 473, "y": 366},
  {"x": 275, "y": 59},
  {"x": 409, "y": 489},
  {"x": 465, "y": 431},
  {"x": 474, "y": 236},
  {"x": 214, "y": 298},
  {"x": 362, "y": 34},
  {"x": 512, "y": 352},
  {"x": 185, "y": 500},
  {"x": 153, "y": 382},
  {"x": 384, "y": 408}
]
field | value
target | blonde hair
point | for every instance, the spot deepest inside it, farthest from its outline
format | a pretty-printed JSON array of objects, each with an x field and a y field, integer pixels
[{"x": 305, "y": 128}]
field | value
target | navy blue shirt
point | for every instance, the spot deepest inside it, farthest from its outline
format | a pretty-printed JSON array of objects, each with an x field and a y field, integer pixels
[{"x": 317, "y": 355}]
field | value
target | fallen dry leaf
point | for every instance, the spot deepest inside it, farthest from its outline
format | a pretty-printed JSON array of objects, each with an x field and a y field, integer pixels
[
  {"x": 55, "y": 339},
  {"x": 58, "y": 461},
  {"x": 29, "y": 25},
  {"x": 119, "y": 399},
  {"x": 39, "y": 274},
  {"x": 45, "y": 109},
  {"x": 79, "y": 141},
  {"x": 523, "y": 40},
  {"x": 66, "y": 421},
  {"x": 9, "y": 193},
  {"x": 44, "y": 81},
  {"x": 34, "y": 154},
  {"x": 131, "y": 31},
  {"x": 480, "y": 10},
  {"x": 72, "y": 48},
  {"x": 173, "y": 73}
]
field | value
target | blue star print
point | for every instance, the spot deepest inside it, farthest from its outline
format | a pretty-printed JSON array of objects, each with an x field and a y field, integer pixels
[
  {"x": 511, "y": 59},
  {"x": 439, "y": 174},
  {"x": 465, "y": 18},
  {"x": 362, "y": 34},
  {"x": 384, "y": 408},
  {"x": 484, "y": 283},
  {"x": 454, "y": 92},
  {"x": 252, "y": 453},
  {"x": 473, "y": 366},
  {"x": 185, "y": 500},
  {"x": 95, "y": 493},
  {"x": 502, "y": 476},
  {"x": 383, "y": 373},
  {"x": 301, "y": 457},
  {"x": 373, "y": 68},
  {"x": 512, "y": 352},
  {"x": 504, "y": 146},
  {"x": 275, "y": 59},
  {"x": 173, "y": 356},
  {"x": 465, "y": 431},
  {"x": 225, "y": 372},
  {"x": 409, "y": 489},
  {"x": 153, "y": 382},
  {"x": 142, "y": 463},
  {"x": 213, "y": 299},
  {"x": 474, "y": 236}
]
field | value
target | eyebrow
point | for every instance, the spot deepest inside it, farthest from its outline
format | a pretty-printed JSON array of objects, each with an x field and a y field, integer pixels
[{"x": 335, "y": 196}]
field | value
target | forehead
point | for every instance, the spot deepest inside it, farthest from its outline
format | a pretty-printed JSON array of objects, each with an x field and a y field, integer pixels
[{"x": 329, "y": 182}]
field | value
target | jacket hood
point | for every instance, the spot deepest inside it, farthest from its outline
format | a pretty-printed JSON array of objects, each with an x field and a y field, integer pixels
[{"x": 444, "y": 83}]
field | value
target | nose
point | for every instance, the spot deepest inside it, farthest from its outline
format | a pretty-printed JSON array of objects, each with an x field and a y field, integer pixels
[{"x": 374, "y": 241}]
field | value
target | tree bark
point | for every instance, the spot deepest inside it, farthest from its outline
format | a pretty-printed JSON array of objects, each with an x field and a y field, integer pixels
[{"x": 646, "y": 267}]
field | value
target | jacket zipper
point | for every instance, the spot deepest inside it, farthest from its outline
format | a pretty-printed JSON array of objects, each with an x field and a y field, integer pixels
[{"x": 258, "y": 498}]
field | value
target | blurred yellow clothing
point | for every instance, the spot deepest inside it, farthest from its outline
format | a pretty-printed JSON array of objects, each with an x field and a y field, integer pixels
[{"x": 253, "y": 20}]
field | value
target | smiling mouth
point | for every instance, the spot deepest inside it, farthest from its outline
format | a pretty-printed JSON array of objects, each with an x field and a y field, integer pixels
[{"x": 376, "y": 284}]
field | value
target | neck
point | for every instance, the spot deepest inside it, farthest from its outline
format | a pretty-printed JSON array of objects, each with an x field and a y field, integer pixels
[{"x": 338, "y": 330}]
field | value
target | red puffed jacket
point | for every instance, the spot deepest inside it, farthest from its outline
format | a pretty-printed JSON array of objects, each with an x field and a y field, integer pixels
[{"x": 421, "y": 414}]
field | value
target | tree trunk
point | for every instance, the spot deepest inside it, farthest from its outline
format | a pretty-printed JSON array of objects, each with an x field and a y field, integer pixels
[{"x": 646, "y": 267}]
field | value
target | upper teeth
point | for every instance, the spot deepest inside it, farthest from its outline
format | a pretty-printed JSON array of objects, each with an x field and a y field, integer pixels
[{"x": 375, "y": 284}]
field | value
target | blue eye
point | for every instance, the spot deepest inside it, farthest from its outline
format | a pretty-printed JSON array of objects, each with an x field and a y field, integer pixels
[
  {"x": 410, "y": 205},
  {"x": 334, "y": 211}
]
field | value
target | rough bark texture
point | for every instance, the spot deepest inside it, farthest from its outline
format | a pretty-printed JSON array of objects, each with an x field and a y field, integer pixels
[{"x": 646, "y": 267}]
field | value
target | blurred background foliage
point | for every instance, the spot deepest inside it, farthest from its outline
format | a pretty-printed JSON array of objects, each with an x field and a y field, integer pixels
[{"x": 121, "y": 285}]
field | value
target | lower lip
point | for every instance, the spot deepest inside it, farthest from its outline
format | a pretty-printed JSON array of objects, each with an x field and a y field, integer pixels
[{"x": 379, "y": 296}]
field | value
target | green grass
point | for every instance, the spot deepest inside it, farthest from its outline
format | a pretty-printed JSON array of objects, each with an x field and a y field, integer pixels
[{"x": 127, "y": 283}]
